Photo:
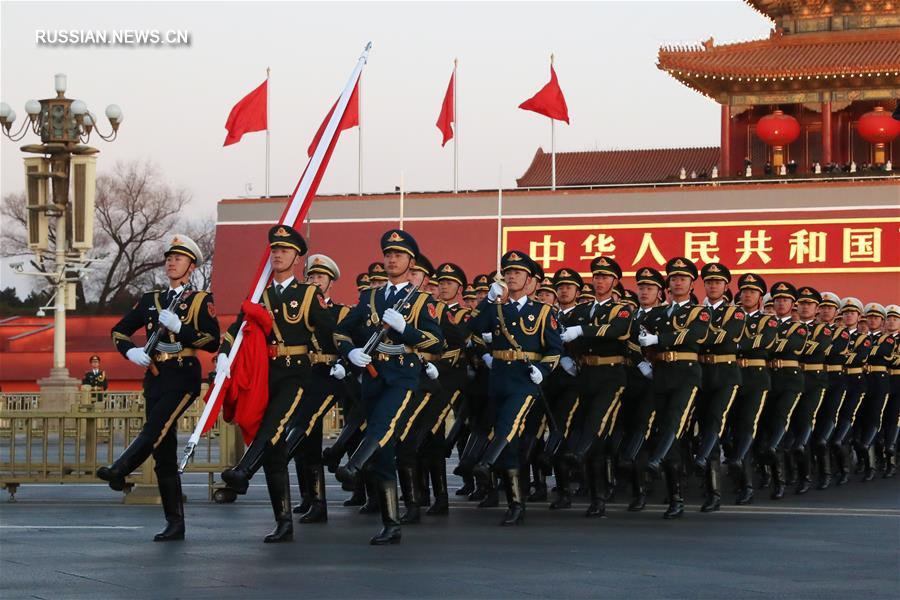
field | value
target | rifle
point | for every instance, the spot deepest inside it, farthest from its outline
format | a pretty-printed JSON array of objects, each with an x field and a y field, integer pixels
[
  {"x": 153, "y": 340},
  {"x": 377, "y": 336}
]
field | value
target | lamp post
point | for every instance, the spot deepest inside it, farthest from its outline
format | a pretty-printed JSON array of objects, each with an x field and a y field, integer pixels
[{"x": 65, "y": 126}]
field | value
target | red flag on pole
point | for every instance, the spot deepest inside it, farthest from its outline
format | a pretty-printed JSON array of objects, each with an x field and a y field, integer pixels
[
  {"x": 549, "y": 101},
  {"x": 248, "y": 115},
  {"x": 445, "y": 121},
  {"x": 349, "y": 120}
]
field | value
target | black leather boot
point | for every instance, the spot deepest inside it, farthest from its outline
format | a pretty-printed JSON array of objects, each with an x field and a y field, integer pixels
[
  {"x": 713, "y": 486},
  {"x": 437, "y": 469},
  {"x": 303, "y": 483},
  {"x": 890, "y": 465},
  {"x": 238, "y": 477},
  {"x": 673, "y": 488},
  {"x": 563, "y": 493},
  {"x": 318, "y": 508},
  {"x": 173, "y": 507},
  {"x": 868, "y": 456},
  {"x": 638, "y": 493},
  {"x": 491, "y": 495},
  {"x": 778, "y": 483},
  {"x": 408, "y": 475},
  {"x": 371, "y": 506},
  {"x": 515, "y": 499},
  {"x": 358, "y": 498},
  {"x": 609, "y": 479},
  {"x": 596, "y": 471},
  {"x": 705, "y": 448},
  {"x": 134, "y": 456},
  {"x": 745, "y": 495},
  {"x": 802, "y": 459},
  {"x": 387, "y": 500},
  {"x": 823, "y": 454},
  {"x": 540, "y": 485},
  {"x": 841, "y": 463},
  {"x": 347, "y": 438},
  {"x": 475, "y": 446},
  {"x": 422, "y": 483},
  {"x": 663, "y": 445},
  {"x": 280, "y": 495},
  {"x": 468, "y": 486},
  {"x": 482, "y": 470},
  {"x": 349, "y": 473}
]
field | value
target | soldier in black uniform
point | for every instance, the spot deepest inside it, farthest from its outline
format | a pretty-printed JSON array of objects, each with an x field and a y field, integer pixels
[
  {"x": 393, "y": 370},
  {"x": 526, "y": 348},
  {"x": 760, "y": 331},
  {"x": 327, "y": 387},
  {"x": 892, "y": 409},
  {"x": 172, "y": 381},
  {"x": 296, "y": 311},
  {"x": 602, "y": 330},
  {"x": 362, "y": 282},
  {"x": 674, "y": 334},
  {"x": 721, "y": 377},
  {"x": 96, "y": 378},
  {"x": 787, "y": 383},
  {"x": 878, "y": 388}
]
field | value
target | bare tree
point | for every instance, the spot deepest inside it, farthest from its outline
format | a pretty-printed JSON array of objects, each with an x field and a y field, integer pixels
[{"x": 14, "y": 242}]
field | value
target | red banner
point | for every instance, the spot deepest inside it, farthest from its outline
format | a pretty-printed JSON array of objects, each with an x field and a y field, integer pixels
[{"x": 868, "y": 245}]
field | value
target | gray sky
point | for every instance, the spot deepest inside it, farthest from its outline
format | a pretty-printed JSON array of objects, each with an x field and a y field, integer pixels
[{"x": 176, "y": 99}]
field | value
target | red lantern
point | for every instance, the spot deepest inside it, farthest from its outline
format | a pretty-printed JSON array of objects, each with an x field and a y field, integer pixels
[
  {"x": 879, "y": 128},
  {"x": 778, "y": 130}
]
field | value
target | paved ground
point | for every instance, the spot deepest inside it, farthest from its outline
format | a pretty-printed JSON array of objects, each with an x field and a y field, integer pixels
[{"x": 80, "y": 542}]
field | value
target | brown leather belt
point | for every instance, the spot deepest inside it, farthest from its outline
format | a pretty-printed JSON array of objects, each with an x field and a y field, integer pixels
[
  {"x": 778, "y": 363},
  {"x": 875, "y": 369},
  {"x": 815, "y": 368},
  {"x": 600, "y": 361},
  {"x": 854, "y": 371},
  {"x": 183, "y": 353},
  {"x": 322, "y": 359},
  {"x": 714, "y": 359},
  {"x": 672, "y": 356},
  {"x": 752, "y": 362},
  {"x": 895, "y": 372},
  {"x": 834, "y": 368},
  {"x": 512, "y": 355},
  {"x": 282, "y": 350}
]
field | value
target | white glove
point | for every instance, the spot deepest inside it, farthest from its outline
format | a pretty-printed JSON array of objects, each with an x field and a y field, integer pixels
[
  {"x": 572, "y": 333},
  {"x": 488, "y": 359},
  {"x": 138, "y": 357},
  {"x": 338, "y": 371},
  {"x": 170, "y": 321},
  {"x": 470, "y": 372},
  {"x": 223, "y": 365},
  {"x": 359, "y": 358},
  {"x": 496, "y": 291},
  {"x": 648, "y": 339},
  {"x": 394, "y": 319},
  {"x": 536, "y": 376},
  {"x": 568, "y": 365},
  {"x": 487, "y": 337},
  {"x": 646, "y": 369},
  {"x": 431, "y": 371}
]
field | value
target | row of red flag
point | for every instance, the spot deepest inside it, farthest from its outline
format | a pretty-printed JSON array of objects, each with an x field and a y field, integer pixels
[{"x": 251, "y": 113}]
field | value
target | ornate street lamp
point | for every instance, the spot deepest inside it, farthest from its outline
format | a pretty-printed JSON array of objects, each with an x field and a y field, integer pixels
[{"x": 65, "y": 125}]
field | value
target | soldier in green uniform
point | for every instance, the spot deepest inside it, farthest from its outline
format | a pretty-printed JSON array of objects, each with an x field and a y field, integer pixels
[
  {"x": 760, "y": 331},
  {"x": 172, "y": 381},
  {"x": 674, "y": 334},
  {"x": 721, "y": 377},
  {"x": 787, "y": 383},
  {"x": 296, "y": 310}
]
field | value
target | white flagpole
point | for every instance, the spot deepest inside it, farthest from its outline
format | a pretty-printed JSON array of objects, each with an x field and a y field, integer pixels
[
  {"x": 552, "y": 146},
  {"x": 290, "y": 216},
  {"x": 455, "y": 131},
  {"x": 360, "y": 138},
  {"x": 268, "y": 95},
  {"x": 499, "y": 219},
  {"x": 402, "y": 190}
]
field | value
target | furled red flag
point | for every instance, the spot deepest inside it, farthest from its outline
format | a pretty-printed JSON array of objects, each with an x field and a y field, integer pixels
[
  {"x": 447, "y": 118},
  {"x": 248, "y": 115},
  {"x": 350, "y": 119},
  {"x": 549, "y": 101}
]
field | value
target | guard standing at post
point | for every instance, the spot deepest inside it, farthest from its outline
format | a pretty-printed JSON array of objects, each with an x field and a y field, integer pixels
[
  {"x": 96, "y": 378},
  {"x": 172, "y": 381}
]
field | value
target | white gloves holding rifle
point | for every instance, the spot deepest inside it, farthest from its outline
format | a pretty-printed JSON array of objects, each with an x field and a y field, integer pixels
[
  {"x": 431, "y": 371},
  {"x": 572, "y": 333},
  {"x": 359, "y": 358},
  {"x": 170, "y": 321},
  {"x": 394, "y": 320},
  {"x": 138, "y": 357},
  {"x": 496, "y": 291},
  {"x": 568, "y": 365},
  {"x": 648, "y": 339},
  {"x": 338, "y": 371},
  {"x": 536, "y": 376}
]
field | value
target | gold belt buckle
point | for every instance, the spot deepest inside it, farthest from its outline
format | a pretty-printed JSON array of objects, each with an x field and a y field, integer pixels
[
  {"x": 163, "y": 357},
  {"x": 669, "y": 355},
  {"x": 742, "y": 362}
]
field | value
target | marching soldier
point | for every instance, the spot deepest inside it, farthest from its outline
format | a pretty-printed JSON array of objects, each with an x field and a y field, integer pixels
[
  {"x": 721, "y": 377},
  {"x": 815, "y": 382},
  {"x": 393, "y": 369},
  {"x": 878, "y": 389},
  {"x": 676, "y": 332},
  {"x": 526, "y": 348},
  {"x": 482, "y": 285},
  {"x": 327, "y": 386},
  {"x": 787, "y": 382},
  {"x": 377, "y": 275},
  {"x": 96, "y": 378},
  {"x": 295, "y": 310},
  {"x": 587, "y": 294},
  {"x": 469, "y": 297},
  {"x": 760, "y": 331},
  {"x": 854, "y": 361},
  {"x": 836, "y": 388},
  {"x": 546, "y": 293},
  {"x": 892, "y": 410},
  {"x": 602, "y": 330},
  {"x": 362, "y": 282},
  {"x": 172, "y": 380}
]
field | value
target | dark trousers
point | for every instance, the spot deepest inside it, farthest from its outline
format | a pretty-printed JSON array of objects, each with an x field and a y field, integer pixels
[
  {"x": 385, "y": 407},
  {"x": 162, "y": 411}
]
